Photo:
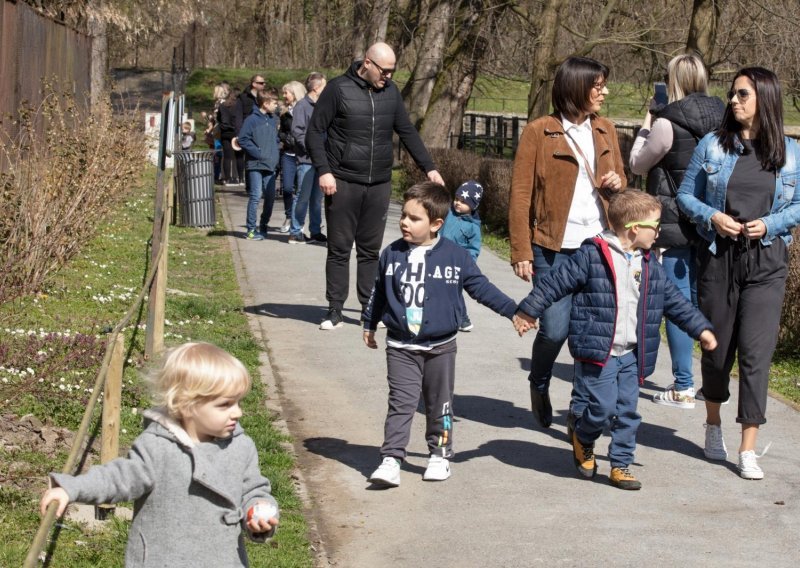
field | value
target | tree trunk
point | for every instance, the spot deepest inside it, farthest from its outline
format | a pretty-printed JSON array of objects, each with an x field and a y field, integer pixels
[
  {"x": 448, "y": 101},
  {"x": 417, "y": 92},
  {"x": 369, "y": 24},
  {"x": 99, "y": 64},
  {"x": 703, "y": 28},
  {"x": 544, "y": 60}
]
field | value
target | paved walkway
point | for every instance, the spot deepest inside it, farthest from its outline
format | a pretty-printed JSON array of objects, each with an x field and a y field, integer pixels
[{"x": 514, "y": 498}]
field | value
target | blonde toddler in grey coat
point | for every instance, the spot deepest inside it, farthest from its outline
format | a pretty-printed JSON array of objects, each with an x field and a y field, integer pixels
[{"x": 193, "y": 473}]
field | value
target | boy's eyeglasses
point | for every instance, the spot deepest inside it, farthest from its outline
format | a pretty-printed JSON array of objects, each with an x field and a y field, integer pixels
[
  {"x": 741, "y": 94},
  {"x": 655, "y": 225},
  {"x": 383, "y": 72}
]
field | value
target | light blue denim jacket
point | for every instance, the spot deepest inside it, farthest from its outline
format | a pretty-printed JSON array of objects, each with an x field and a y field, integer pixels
[{"x": 702, "y": 192}]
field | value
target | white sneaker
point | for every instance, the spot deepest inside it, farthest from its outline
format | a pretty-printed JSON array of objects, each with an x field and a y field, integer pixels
[
  {"x": 715, "y": 446},
  {"x": 287, "y": 224},
  {"x": 701, "y": 397},
  {"x": 748, "y": 466},
  {"x": 387, "y": 474},
  {"x": 438, "y": 469},
  {"x": 676, "y": 398}
]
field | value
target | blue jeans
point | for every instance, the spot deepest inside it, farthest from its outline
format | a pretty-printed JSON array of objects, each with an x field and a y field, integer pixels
[
  {"x": 679, "y": 264},
  {"x": 260, "y": 183},
  {"x": 554, "y": 323},
  {"x": 307, "y": 198},
  {"x": 288, "y": 181},
  {"x": 613, "y": 393}
]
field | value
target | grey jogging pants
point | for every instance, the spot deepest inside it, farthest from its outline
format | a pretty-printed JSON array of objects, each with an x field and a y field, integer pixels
[{"x": 431, "y": 374}]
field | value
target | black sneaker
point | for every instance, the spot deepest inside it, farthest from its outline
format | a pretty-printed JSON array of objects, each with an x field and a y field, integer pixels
[
  {"x": 466, "y": 324},
  {"x": 332, "y": 320},
  {"x": 318, "y": 238},
  {"x": 297, "y": 239}
]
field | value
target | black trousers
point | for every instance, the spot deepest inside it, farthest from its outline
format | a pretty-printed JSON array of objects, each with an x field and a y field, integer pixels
[
  {"x": 740, "y": 290},
  {"x": 232, "y": 162},
  {"x": 355, "y": 213}
]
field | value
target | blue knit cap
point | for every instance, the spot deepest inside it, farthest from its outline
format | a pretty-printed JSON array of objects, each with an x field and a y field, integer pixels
[{"x": 470, "y": 192}]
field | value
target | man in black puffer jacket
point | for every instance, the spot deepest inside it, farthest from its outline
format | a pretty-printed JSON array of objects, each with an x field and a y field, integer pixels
[{"x": 349, "y": 139}]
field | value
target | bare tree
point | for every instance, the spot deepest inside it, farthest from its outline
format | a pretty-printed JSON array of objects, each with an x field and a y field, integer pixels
[
  {"x": 703, "y": 27},
  {"x": 417, "y": 91},
  {"x": 453, "y": 88},
  {"x": 370, "y": 22},
  {"x": 545, "y": 60}
]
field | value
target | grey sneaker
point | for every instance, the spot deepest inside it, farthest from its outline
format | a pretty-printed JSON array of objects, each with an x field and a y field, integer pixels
[
  {"x": 715, "y": 446},
  {"x": 254, "y": 236}
]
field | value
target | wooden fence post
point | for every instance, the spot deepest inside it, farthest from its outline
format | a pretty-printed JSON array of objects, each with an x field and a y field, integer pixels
[
  {"x": 156, "y": 306},
  {"x": 112, "y": 403}
]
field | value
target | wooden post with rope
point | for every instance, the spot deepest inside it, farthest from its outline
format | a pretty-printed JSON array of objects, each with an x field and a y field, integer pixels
[{"x": 112, "y": 404}]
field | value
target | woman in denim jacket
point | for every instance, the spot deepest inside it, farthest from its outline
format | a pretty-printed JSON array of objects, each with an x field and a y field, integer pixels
[{"x": 739, "y": 189}]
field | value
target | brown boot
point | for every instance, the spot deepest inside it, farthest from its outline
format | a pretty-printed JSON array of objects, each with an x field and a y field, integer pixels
[
  {"x": 583, "y": 457},
  {"x": 623, "y": 478}
]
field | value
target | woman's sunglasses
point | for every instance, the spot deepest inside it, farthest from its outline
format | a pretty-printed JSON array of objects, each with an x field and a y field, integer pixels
[{"x": 741, "y": 94}]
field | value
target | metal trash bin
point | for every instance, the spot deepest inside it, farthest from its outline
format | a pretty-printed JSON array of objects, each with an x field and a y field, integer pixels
[{"x": 194, "y": 174}]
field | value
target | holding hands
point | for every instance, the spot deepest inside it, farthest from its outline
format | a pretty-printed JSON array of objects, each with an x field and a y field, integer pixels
[{"x": 523, "y": 322}]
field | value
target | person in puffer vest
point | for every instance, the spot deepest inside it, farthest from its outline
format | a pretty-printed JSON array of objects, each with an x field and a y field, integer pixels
[
  {"x": 662, "y": 151},
  {"x": 349, "y": 139},
  {"x": 620, "y": 294}
]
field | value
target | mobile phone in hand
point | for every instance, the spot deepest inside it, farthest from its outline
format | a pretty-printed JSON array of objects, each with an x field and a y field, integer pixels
[{"x": 660, "y": 90}]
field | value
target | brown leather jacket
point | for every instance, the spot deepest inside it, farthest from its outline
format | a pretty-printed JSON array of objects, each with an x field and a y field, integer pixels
[{"x": 545, "y": 172}]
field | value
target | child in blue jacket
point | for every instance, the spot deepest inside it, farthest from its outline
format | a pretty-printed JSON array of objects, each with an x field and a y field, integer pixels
[
  {"x": 621, "y": 293},
  {"x": 418, "y": 297},
  {"x": 261, "y": 144},
  {"x": 463, "y": 227}
]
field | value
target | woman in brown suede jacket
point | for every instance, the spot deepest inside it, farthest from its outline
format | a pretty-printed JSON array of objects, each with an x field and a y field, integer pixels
[{"x": 567, "y": 164}]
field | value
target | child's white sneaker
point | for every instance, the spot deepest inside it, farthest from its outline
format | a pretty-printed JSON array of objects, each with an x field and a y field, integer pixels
[
  {"x": 387, "y": 474},
  {"x": 676, "y": 398},
  {"x": 748, "y": 466},
  {"x": 438, "y": 469},
  {"x": 715, "y": 446}
]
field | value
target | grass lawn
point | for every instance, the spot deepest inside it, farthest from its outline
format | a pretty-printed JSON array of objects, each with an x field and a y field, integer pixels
[{"x": 50, "y": 352}]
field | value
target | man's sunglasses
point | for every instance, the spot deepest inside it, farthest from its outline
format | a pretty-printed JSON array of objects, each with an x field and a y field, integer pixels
[{"x": 384, "y": 72}]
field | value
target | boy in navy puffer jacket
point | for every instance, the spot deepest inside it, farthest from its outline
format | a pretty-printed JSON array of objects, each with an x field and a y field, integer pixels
[
  {"x": 621, "y": 292},
  {"x": 418, "y": 297},
  {"x": 463, "y": 227}
]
